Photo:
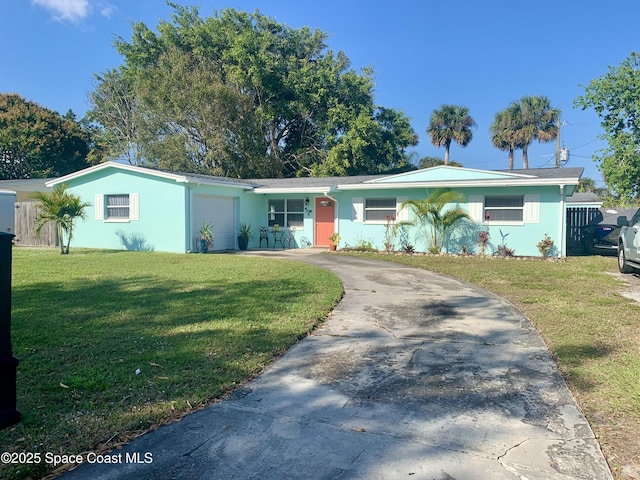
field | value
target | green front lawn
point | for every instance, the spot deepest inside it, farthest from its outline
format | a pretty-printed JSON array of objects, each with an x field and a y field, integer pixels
[{"x": 112, "y": 344}]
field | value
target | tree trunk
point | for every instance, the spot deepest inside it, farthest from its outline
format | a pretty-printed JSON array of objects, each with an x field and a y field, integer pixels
[
  {"x": 511, "y": 159},
  {"x": 525, "y": 158},
  {"x": 61, "y": 239}
]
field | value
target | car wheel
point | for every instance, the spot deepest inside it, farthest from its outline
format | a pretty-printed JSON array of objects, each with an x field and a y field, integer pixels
[{"x": 623, "y": 266}]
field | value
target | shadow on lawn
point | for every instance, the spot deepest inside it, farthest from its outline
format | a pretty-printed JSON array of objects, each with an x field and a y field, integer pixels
[
  {"x": 81, "y": 343},
  {"x": 575, "y": 356}
]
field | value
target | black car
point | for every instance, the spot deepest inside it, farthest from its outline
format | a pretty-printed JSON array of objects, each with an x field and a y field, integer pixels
[{"x": 601, "y": 236}]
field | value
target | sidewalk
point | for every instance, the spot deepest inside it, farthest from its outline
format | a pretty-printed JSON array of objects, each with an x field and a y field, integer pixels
[{"x": 415, "y": 375}]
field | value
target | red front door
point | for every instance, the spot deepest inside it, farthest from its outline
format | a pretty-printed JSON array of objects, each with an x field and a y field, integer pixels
[{"x": 324, "y": 221}]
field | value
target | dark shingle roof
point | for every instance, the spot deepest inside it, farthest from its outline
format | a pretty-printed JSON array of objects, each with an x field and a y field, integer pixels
[
  {"x": 584, "y": 197},
  {"x": 319, "y": 182},
  {"x": 311, "y": 182},
  {"x": 548, "y": 172}
]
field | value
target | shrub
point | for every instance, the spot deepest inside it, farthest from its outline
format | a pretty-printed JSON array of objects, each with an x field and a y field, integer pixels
[
  {"x": 504, "y": 251},
  {"x": 408, "y": 248},
  {"x": 483, "y": 241},
  {"x": 545, "y": 246}
]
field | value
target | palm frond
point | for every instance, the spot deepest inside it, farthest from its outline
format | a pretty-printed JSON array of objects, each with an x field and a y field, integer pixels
[{"x": 432, "y": 216}]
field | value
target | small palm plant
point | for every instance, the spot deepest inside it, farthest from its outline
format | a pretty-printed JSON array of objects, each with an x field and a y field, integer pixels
[
  {"x": 206, "y": 236},
  {"x": 433, "y": 219},
  {"x": 62, "y": 208}
]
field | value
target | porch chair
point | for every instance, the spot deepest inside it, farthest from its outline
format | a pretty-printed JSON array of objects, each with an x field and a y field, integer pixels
[{"x": 264, "y": 234}]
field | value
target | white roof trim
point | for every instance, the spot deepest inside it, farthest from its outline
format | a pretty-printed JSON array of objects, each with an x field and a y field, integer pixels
[
  {"x": 120, "y": 166},
  {"x": 507, "y": 182},
  {"x": 494, "y": 173},
  {"x": 293, "y": 190},
  {"x": 178, "y": 178}
]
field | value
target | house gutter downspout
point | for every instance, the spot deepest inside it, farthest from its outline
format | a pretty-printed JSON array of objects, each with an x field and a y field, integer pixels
[
  {"x": 326, "y": 194},
  {"x": 563, "y": 214}
]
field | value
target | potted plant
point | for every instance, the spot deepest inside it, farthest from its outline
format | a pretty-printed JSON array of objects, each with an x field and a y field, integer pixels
[
  {"x": 334, "y": 239},
  {"x": 245, "y": 235},
  {"x": 206, "y": 237}
]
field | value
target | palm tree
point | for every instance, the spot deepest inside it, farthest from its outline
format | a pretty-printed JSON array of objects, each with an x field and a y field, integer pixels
[
  {"x": 450, "y": 123},
  {"x": 537, "y": 120},
  {"x": 61, "y": 208},
  {"x": 504, "y": 135},
  {"x": 586, "y": 184},
  {"x": 432, "y": 218}
]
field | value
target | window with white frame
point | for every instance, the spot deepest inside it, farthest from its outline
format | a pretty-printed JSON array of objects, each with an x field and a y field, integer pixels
[
  {"x": 379, "y": 209},
  {"x": 286, "y": 212},
  {"x": 117, "y": 206},
  {"x": 504, "y": 208},
  {"x": 121, "y": 207}
]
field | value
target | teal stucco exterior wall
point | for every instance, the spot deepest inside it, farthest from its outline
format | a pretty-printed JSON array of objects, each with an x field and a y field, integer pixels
[
  {"x": 521, "y": 237},
  {"x": 163, "y": 207},
  {"x": 170, "y": 208}
]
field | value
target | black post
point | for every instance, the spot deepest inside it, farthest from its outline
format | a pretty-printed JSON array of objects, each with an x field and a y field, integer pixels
[{"x": 8, "y": 363}]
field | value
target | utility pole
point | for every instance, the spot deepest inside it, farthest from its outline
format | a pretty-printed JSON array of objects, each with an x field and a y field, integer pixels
[
  {"x": 558, "y": 145},
  {"x": 8, "y": 363}
]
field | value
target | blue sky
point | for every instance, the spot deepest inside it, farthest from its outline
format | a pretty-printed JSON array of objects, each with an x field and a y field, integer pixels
[{"x": 482, "y": 54}]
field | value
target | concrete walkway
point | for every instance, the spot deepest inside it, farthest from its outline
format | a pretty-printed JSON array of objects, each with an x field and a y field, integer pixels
[{"x": 414, "y": 376}]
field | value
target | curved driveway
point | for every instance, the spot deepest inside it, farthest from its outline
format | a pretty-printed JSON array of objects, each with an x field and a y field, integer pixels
[{"x": 414, "y": 376}]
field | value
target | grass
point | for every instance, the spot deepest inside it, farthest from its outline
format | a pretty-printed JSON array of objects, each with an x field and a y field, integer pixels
[
  {"x": 198, "y": 325},
  {"x": 592, "y": 332},
  {"x": 193, "y": 326}
]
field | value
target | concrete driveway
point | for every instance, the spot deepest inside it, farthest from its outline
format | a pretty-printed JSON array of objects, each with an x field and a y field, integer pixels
[{"x": 414, "y": 376}]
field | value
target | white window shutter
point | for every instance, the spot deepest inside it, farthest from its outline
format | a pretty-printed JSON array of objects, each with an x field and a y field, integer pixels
[
  {"x": 357, "y": 211},
  {"x": 134, "y": 206},
  {"x": 531, "y": 209},
  {"x": 98, "y": 207},
  {"x": 476, "y": 207},
  {"x": 402, "y": 214}
]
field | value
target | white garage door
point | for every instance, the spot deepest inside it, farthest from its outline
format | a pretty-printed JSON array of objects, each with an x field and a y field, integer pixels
[{"x": 221, "y": 213}]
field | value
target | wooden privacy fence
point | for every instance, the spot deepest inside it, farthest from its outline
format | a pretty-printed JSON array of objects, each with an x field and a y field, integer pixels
[{"x": 25, "y": 227}]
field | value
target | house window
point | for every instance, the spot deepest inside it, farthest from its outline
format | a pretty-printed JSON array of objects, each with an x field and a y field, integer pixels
[
  {"x": 504, "y": 208},
  {"x": 379, "y": 209},
  {"x": 286, "y": 212},
  {"x": 118, "y": 206}
]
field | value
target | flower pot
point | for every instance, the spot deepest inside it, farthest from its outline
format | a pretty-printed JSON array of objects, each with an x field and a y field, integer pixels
[
  {"x": 332, "y": 247},
  {"x": 243, "y": 243},
  {"x": 203, "y": 246}
]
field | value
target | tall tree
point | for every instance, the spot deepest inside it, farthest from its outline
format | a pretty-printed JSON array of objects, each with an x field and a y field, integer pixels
[
  {"x": 450, "y": 123},
  {"x": 504, "y": 131},
  {"x": 62, "y": 208},
  {"x": 199, "y": 123},
  {"x": 36, "y": 142},
  {"x": 114, "y": 106},
  {"x": 428, "y": 162},
  {"x": 615, "y": 97},
  {"x": 242, "y": 95},
  {"x": 620, "y": 166},
  {"x": 374, "y": 143},
  {"x": 535, "y": 120},
  {"x": 586, "y": 184}
]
